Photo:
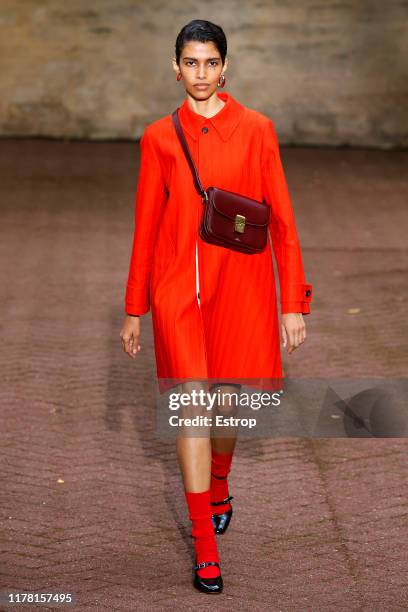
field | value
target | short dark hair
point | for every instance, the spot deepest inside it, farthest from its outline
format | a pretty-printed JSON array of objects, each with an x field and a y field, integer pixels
[{"x": 202, "y": 31}]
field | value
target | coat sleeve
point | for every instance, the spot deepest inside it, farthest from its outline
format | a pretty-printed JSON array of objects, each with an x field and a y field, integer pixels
[
  {"x": 151, "y": 194},
  {"x": 295, "y": 293}
]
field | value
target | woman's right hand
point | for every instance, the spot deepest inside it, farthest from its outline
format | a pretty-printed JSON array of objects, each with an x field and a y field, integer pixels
[{"x": 130, "y": 334}]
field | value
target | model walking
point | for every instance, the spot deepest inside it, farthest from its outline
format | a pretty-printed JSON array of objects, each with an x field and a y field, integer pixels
[{"x": 214, "y": 309}]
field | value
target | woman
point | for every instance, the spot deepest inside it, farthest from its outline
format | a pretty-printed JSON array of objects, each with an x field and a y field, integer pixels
[{"x": 214, "y": 309}]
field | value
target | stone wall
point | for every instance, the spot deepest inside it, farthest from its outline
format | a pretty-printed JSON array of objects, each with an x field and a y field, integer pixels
[{"x": 326, "y": 71}]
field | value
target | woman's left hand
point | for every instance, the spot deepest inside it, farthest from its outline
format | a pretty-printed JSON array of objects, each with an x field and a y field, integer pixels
[{"x": 293, "y": 330}]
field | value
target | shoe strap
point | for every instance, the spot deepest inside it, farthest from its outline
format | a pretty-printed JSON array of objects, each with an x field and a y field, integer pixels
[
  {"x": 224, "y": 501},
  {"x": 219, "y": 477},
  {"x": 205, "y": 564}
]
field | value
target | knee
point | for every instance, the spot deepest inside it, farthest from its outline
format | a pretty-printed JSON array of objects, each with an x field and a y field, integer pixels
[{"x": 227, "y": 400}]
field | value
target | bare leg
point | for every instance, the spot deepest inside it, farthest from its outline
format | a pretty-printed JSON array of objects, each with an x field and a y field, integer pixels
[
  {"x": 194, "y": 453},
  {"x": 194, "y": 457},
  {"x": 227, "y": 406}
]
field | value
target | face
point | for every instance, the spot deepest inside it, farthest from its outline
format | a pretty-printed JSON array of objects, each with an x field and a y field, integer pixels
[{"x": 200, "y": 63}]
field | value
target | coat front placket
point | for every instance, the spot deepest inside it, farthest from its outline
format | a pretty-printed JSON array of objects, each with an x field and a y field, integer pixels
[{"x": 202, "y": 160}]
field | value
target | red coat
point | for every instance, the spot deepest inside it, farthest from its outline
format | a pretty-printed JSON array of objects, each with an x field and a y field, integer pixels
[{"x": 214, "y": 310}]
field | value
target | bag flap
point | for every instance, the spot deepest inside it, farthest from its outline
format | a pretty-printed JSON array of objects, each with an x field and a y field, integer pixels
[{"x": 230, "y": 204}]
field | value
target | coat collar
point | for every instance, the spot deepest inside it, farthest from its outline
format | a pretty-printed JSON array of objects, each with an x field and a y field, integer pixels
[{"x": 225, "y": 121}]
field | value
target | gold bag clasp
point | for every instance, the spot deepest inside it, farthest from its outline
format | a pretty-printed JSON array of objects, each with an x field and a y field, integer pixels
[{"x": 239, "y": 225}]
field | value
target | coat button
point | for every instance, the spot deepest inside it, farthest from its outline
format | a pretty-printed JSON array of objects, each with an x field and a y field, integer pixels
[
  {"x": 307, "y": 292},
  {"x": 204, "y": 130}
]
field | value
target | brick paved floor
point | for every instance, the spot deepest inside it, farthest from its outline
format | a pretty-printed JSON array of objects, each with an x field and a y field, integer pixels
[{"x": 91, "y": 501}]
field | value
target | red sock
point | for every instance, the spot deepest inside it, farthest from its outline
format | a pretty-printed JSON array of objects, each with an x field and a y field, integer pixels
[
  {"x": 203, "y": 532},
  {"x": 220, "y": 466}
]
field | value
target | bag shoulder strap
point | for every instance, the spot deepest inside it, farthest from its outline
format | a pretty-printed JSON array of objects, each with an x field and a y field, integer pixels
[{"x": 183, "y": 142}]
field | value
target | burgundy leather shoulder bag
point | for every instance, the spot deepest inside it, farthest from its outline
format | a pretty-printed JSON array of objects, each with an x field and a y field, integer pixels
[{"x": 229, "y": 219}]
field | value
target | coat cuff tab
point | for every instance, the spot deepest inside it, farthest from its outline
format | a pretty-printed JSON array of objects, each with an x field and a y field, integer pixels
[{"x": 297, "y": 292}]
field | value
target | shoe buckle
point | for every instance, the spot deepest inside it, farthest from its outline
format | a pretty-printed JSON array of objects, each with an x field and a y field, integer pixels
[
  {"x": 205, "y": 564},
  {"x": 201, "y": 565}
]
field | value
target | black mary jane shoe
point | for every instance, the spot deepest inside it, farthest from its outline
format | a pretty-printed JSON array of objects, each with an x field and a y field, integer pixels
[
  {"x": 221, "y": 521},
  {"x": 207, "y": 585}
]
